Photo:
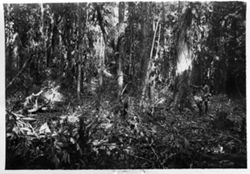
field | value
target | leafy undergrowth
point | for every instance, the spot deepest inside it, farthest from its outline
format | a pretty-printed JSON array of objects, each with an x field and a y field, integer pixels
[{"x": 85, "y": 137}]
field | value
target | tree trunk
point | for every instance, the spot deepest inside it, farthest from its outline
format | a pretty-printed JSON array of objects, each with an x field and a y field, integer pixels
[
  {"x": 80, "y": 48},
  {"x": 147, "y": 33},
  {"x": 120, "y": 46},
  {"x": 184, "y": 64},
  {"x": 103, "y": 40},
  {"x": 120, "y": 76},
  {"x": 9, "y": 61},
  {"x": 101, "y": 60},
  {"x": 146, "y": 88},
  {"x": 79, "y": 82},
  {"x": 43, "y": 32},
  {"x": 153, "y": 77},
  {"x": 130, "y": 71}
]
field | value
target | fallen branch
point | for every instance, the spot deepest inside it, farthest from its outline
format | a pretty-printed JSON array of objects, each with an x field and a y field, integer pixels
[
  {"x": 38, "y": 108},
  {"x": 14, "y": 115}
]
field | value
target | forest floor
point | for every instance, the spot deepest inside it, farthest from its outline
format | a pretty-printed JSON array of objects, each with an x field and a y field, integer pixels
[{"x": 85, "y": 137}]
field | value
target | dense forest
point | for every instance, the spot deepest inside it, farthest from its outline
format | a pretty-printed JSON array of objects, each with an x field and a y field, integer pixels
[{"x": 128, "y": 85}]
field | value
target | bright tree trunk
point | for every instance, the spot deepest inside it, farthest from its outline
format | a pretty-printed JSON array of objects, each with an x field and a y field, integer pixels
[
  {"x": 101, "y": 60},
  {"x": 184, "y": 64},
  {"x": 120, "y": 78},
  {"x": 146, "y": 88},
  {"x": 79, "y": 82}
]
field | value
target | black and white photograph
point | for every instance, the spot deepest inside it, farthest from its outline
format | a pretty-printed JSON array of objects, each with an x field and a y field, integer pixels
[{"x": 125, "y": 85}]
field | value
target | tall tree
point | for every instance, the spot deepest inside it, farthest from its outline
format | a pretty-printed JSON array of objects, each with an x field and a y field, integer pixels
[
  {"x": 146, "y": 88},
  {"x": 79, "y": 28},
  {"x": 120, "y": 46},
  {"x": 184, "y": 59}
]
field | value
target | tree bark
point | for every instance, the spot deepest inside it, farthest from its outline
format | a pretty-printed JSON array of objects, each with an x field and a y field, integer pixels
[
  {"x": 149, "y": 66},
  {"x": 101, "y": 60},
  {"x": 120, "y": 46},
  {"x": 184, "y": 64},
  {"x": 147, "y": 33},
  {"x": 153, "y": 77},
  {"x": 79, "y": 82},
  {"x": 103, "y": 41}
]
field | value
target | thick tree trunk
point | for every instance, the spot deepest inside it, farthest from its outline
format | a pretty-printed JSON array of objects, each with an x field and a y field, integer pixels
[
  {"x": 182, "y": 91},
  {"x": 147, "y": 34},
  {"x": 102, "y": 44}
]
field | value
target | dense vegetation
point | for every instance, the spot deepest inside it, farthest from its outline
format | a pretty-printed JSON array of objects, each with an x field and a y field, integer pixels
[{"x": 125, "y": 85}]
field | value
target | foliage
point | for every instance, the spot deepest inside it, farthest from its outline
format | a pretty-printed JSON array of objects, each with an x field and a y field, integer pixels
[{"x": 85, "y": 140}]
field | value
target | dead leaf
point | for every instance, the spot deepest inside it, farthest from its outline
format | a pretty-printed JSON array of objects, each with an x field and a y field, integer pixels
[{"x": 44, "y": 129}]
